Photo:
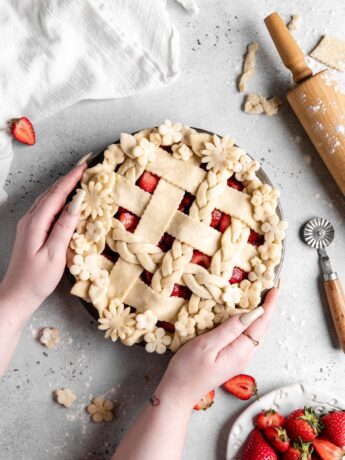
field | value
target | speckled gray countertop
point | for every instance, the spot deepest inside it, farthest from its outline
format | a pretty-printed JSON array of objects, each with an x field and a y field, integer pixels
[{"x": 301, "y": 343}]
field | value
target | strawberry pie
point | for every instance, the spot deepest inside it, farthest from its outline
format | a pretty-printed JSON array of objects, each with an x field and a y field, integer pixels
[{"x": 177, "y": 233}]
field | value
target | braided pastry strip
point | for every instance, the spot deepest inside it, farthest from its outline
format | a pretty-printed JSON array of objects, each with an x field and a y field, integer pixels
[
  {"x": 133, "y": 251},
  {"x": 204, "y": 284},
  {"x": 207, "y": 194},
  {"x": 171, "y": 269},
  {"x": 233, "y": 241}
]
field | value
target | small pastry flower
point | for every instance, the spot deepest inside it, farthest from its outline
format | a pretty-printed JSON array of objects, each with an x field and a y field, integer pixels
[
  {"x": 274, "y": 229},
  {"x": 95, "y": 231},
  {"x": 118, "y": 321},
  {"x": 223, "y": 312},
  {"x": 157, "y": 341},
  {"x": 97, "y": 200},
  {"x": 146, "y": 320},
  {"x": 185, "y": 325},
  {"x": 101, "y": 409},
  {"x": 81, "y": 268},
  {"x": 50, "y": 337},
  {"x": 79, "y": 244},
  {"x": 65, "y": 397},
  {"x": 182, "y": 152},
  {"x": 204, "y": 319},
  {"x": 171, "y": 132},
  {"x": 264, "y": 200},
  {"x": 231, "y": 295},
  {"x": 144, "y": 151},
  {"x": 246, "y": 168},
  {"x": 251, "y": 293},
  {"x": 270, "y": 251},
  {"x": 261, "y": 273},
  {"x": 220, "y": 154}
]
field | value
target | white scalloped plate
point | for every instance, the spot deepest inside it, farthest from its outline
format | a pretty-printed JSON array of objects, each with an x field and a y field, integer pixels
[{"x": 284, "y": 400}]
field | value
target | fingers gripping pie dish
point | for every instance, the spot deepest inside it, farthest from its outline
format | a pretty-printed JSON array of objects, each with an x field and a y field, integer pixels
[{"x": 176, "y": 234}]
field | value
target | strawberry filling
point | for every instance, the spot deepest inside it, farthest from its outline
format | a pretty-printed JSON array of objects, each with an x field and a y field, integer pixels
[
  {"x": 148, "y": 182},
  {"x": 166, "y": 242},
  {"x": 146, "y": 276},
  {"x": 234, "y": 183},
  {"x": 225, "y": 221},
  {"x": 128, "y": 220},
  {"x": 215, "y": 218},
  {"x": 167, "y": 148},
  {"x": 186, "y": 203},
  {"x": 201, "y": 259},
  {"x": 166, "y": 326},
  {"x": 110, "y": 254},
  {"x": 238, "y": 275},
  {"x": 181, "y": 291},
  {"x": 255, "y": 239}
]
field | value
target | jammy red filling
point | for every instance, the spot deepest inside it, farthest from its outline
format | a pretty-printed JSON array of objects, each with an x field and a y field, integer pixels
[
  {"x": 255, "y": 239},
  {"x": 186, "y": 203},
  {"x": 110, "y": 254},
  {"x": 148, "y": 182},
  {"x": 238, "y": 275},
  {"x": 181, "y": 291},
  {"x": 166, "y": 326},
  {"x": 201, "y": 259},
  {"x": 129, "y": 220},
  {"x": 234, "y": 183},
  {"x": 166, "y": 242}
]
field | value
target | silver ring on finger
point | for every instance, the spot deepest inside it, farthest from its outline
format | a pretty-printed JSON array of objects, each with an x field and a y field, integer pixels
[{"x": 255, "y": 342}]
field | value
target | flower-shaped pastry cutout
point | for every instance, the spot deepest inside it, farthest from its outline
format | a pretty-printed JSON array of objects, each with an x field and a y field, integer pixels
[
  {"x": 204, "y": 319},
  {"x": 270, "y": 251},
  {"x": 146, "y": 320},
  {"x": 185, "y": 325},
  {"x": 157, "y": 341},
  {"x": 65, "y": 397},
  {"x": 223, "y": 312},
  {"x": 245, "y": 169},
  {"x": 113, "y": 156},
  {"x": 79, "y": 244},
  {"x": 98, "y": 290},
  {"x": 274, "y": 229},
  {"x": 220, "y": 154},
  {"x": 251, "y": 293},
  {"x": 95, "y": 231},
  {"x": 50, "y": 337},
  {"x": 118, "y": 321},
  {"x": 145, "y": 151},
  {"x": 171, "y": 132},
  {"x": 264, "y": 200},
  {"x": 101, "y": 409},
  {"x": 182, "y": 152},
  {"x": 261, "y": 273},
  {"x": 82, "y": 267},
  {"x": 97, "y": 200},
  {"x": 231, "y": 295}
]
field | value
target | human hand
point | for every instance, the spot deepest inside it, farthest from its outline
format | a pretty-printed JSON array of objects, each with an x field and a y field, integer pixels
[
  {"x": 207, "y": 361},
  {"x": 39, "y": 253}
]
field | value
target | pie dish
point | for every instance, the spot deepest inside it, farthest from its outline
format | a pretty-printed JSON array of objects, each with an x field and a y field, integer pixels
[
  {"x": 284, "y": 400},
  {"x": 177, "y": 233}
]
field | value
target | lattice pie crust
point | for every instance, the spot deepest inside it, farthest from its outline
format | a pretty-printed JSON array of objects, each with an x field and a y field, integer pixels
[{"x": 176, "y": 234}]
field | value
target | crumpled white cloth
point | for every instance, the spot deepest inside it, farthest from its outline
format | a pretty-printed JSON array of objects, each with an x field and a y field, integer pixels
[{"x": 57, "y": 52}]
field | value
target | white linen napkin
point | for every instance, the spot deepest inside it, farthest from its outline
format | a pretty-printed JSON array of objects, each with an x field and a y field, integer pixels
[{"x": 55, "y": 53}]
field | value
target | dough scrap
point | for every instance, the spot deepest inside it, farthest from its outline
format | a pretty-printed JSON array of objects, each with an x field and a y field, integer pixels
[
  {"x": 65, "y": 397},
  {"x": 50, "y": 337},
  {"x": 295, "y": 22},
  {"x": 248, "y": 66},
  {"x": 101, "y": 409},
  {"x": 331, "y": 52},
  {"x": 255, "y": 103}
]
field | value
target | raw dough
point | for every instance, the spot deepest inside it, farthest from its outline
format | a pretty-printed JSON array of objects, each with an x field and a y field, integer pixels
[
  {"x": 255, "y": 103},
  {"x": 248, "y": 66},
  {"x": 331, "y": 52}
]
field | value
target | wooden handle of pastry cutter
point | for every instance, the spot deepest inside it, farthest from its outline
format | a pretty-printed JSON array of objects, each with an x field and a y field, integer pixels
[
  {"x": 290, "y": 53},
  {"x": 336, "y": 300}
]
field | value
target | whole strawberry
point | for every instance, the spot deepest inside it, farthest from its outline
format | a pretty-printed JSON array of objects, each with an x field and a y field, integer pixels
[
  {"x": 256, "y": 448},
  {"x": 278, "y": 438},
  {"x": 302, "y": 425},
  {"x": 299, "y": 451},
  {"x": 269, "y": 418},
  {"x": 334, "y": 427}
]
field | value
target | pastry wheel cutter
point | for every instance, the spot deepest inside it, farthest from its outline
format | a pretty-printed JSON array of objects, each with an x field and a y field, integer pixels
[{"x": 318, "y": 233}]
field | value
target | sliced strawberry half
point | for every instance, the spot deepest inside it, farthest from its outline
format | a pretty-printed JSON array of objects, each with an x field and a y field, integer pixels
[
  {"x": 206, "y": 402},
  {"x": 278, "y": 438},
  {"x": 326, "y": 450},
  {"x": 186, "y": 203},
  {"x": 215, "y": 218},
  {"x": 225, "y": 221},
  {"x": 201, "y": 259},
  {"x": 242, "y": 386},
  {"x": 148, "y": 182},
  {"x": 166, "y": 326},
  {"x": 166, "y": 242},
  {"x": 129, "y": 220},
  {"x": 255, "y": 238},
  {"x": 234, "y": 183},
  {"x": 22, "y": 130},
  {"x": 238, "y": 275},
  {"x": 181, "y": 291}
]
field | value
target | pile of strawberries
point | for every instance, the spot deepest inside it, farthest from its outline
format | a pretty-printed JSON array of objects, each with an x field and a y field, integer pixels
[{"x": 303, "y": 435}]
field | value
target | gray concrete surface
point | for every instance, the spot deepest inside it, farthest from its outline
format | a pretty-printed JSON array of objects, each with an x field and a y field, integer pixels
[{"x": 301, "y": 343}]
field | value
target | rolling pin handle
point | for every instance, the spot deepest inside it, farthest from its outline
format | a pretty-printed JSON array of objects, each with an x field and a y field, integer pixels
[{"x": 289, "y": 51}]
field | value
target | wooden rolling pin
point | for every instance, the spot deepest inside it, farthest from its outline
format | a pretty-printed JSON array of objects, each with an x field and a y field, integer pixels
[{"x": 316, "y": 100}]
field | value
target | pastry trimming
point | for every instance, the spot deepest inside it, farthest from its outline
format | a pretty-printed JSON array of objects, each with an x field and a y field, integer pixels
[{"x": 176, "y": 234}]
